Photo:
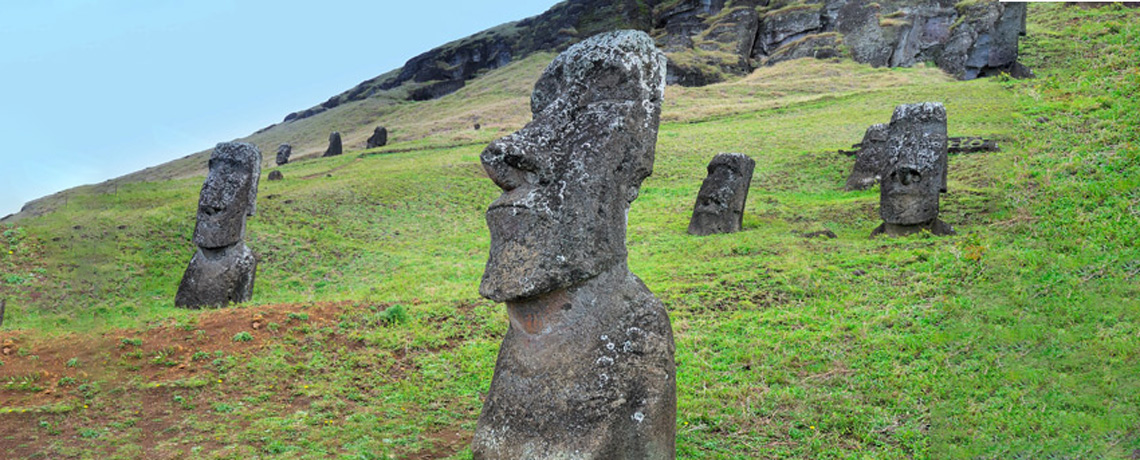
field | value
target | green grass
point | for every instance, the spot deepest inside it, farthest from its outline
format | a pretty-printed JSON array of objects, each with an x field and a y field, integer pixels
[{"x": 1018, "y": 338}]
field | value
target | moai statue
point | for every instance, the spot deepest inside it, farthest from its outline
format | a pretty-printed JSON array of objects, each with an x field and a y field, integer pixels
[
  {"x": 283, "y": 153},
  {"x": 276, "y": 175},
  {"x": 871, "y": 159},
  {"x": 222, "y": 270},
  {"x": 916, "y": 172},
  {"x": 586, "y": 369},
  {"x": 379, "y": 137},
  {"x": 334, "y": 145},
  {"x": 720, "y": 203}
]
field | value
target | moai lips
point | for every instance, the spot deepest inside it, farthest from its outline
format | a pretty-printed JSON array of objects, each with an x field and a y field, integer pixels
[{"x": 586, "y": 369}]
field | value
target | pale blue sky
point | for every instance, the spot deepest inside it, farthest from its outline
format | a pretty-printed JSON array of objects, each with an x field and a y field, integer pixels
[{"x": 94, "y": 89}]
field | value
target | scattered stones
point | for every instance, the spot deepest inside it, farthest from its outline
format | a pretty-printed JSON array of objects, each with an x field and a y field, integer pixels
[
  {"x": 334, "y": 145},
  {"x": 825, "y": 232},
  {"x": 586, "y": 369},
  {"x": 283, "y": 153},
  {"x": 223, "y": 269},
  {"x": 276, "y": 175},
  {"x": 858, "y": 272},
  {"x": 908, "y": 199},
  {"x": 477, "y": 126},
  {"x": 971, "y": 145},
  {"x": 1042, "y": 119},
  {"x": 379, "y": 137},
  {"x": 720, "y": 202},
  {"x": 870, "y": 159}
]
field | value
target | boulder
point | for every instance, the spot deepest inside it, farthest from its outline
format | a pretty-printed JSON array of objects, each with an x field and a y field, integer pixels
[
  {"x": 720, "y": 202},
  {"x": 586, "y": 369},
  {"x": 276, "y": 175},
  {"x": 916, "y": 172},
  {"x": 284, "y": 151},
  {"x": 334, "y": 145},
  {"x": 379, "y": 137}
]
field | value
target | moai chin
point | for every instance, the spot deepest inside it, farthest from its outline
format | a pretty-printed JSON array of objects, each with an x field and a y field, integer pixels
[
  {"x": 334, "y": 145},
  {"x": 586, "y": 369},
  {"x": 871, "y": 159},
  {"x": 222, "y": 270},
  {"x": 720, "y": 202},
  {"x": 916, "y": 171}
]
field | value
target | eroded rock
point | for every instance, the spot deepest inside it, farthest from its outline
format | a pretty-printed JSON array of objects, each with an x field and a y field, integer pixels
[
  {"x": 276, "y": 175},
  {"x": 586, "y": 369},
  {"x": 223, "y": 268},
  {"x": 724, "y": 192}
]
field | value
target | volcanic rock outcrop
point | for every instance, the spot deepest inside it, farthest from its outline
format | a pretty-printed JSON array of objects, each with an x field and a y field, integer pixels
[
  {"x": 707, "y": 41},
  {"x": 223, "y": 268},
  {"x": 916, "y": 173},
  {"x": 586, "y": 369},
  {"x": 334, "y": 145},
  {"x": 379, "y": 137},
  {"x": 720, "y": 202}
]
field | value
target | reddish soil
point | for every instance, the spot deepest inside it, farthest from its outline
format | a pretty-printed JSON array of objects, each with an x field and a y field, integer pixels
[{"x": 142, "y": 378}]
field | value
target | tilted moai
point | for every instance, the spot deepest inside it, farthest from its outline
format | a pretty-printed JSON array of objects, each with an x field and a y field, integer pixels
[
  {"x": 334, "y": 145},
  {"x": 916, "y": 172},
  {"x": 586, "y": 369},
  {"x": 379, "y": 137},
  {"x": 222, "y": 270},
  {"x": 284, "y": 151},
  {"x": 720, "y": 203},
  {"x": 871, "y": 159}
]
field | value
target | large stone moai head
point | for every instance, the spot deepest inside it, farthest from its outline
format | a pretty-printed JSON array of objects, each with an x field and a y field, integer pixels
[
  {"x": 871, "y": 160},
  {"x": 229, "y": 195},
  {"x": 334, "y": 145},
  {"x": 568, "y": 176},
  {"x": 720, "y": 202},
  {"x": 916, "y": 172},
  {"x": 379, "y": 137},
  {"x": 284, "y": 151}
]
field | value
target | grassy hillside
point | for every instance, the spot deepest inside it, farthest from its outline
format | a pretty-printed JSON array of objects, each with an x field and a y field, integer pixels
[{"x": 366, "y": 338}]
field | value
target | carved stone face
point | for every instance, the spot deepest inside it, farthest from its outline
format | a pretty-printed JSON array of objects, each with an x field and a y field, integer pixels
[
  {"x": 912, "y": 182},
  {"x": 569, "y": 176},
  {"x": 228, "y": 196}
]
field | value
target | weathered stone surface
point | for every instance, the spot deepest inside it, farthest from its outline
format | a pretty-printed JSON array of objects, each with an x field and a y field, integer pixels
[
  {"x": 870, "y": 159},
  {"x": 720, "y": 202},
  {"x": 916, "y": 173},
  {"x": 971, "y": 144},
  {"x": 586, "y": 369},
  {"x": 379, "y": 137},
  {"x": 217, "y": 277},
  {"x": 223, "y": 268},
  {"x": 276, "y": 175},
  {"x": 284, "y": 151},
  {"x": 228, "y": 195},
  {"x": 334, "y": 145}
]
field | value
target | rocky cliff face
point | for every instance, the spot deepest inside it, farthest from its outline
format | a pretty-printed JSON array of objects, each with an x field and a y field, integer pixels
[{"x": 708, "y": 41}]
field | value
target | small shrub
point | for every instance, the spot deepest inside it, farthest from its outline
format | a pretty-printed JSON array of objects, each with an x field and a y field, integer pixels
[
  {"x": 65, "y": 381},
  {"x": 396, "y": 314},
  {"x": 73, "y": 362},
  {"x": 88, "y": 433},
  {"x": 273, "y": 327},
  {"x": 200, "y": 356},
  {"x": 298, "y": 317},
  {"x": 130, "y": 342},
  {"x": 243, "y": 336}
]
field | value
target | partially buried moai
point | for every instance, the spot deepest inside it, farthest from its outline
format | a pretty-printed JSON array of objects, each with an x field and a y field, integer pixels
[
  {"x": 284, "y": 151},
  {"x": 586, "y": 369},
  {"x": 222, "y": 270},
  {"x": 915, "y": 174},
  {"x": 334, "y": 145},
  {"x": 870, "y": 160},
  {"x": 720, "y": 202}
]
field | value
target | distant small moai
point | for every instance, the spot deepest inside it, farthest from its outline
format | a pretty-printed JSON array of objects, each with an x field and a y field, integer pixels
[
  {"x": 915, "y": 175},
  {"x": 223, "y": 268},
  {"x": 276, "y": 175},
  {"x": 870, "y": 160},
  {"x": 586, "y": 369},
  {"x": 334, "y": 145},
  {"x": 283, "y": 153},
  {"x": 379, "y": 137},
  {"x": 720, "y": 202}
]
